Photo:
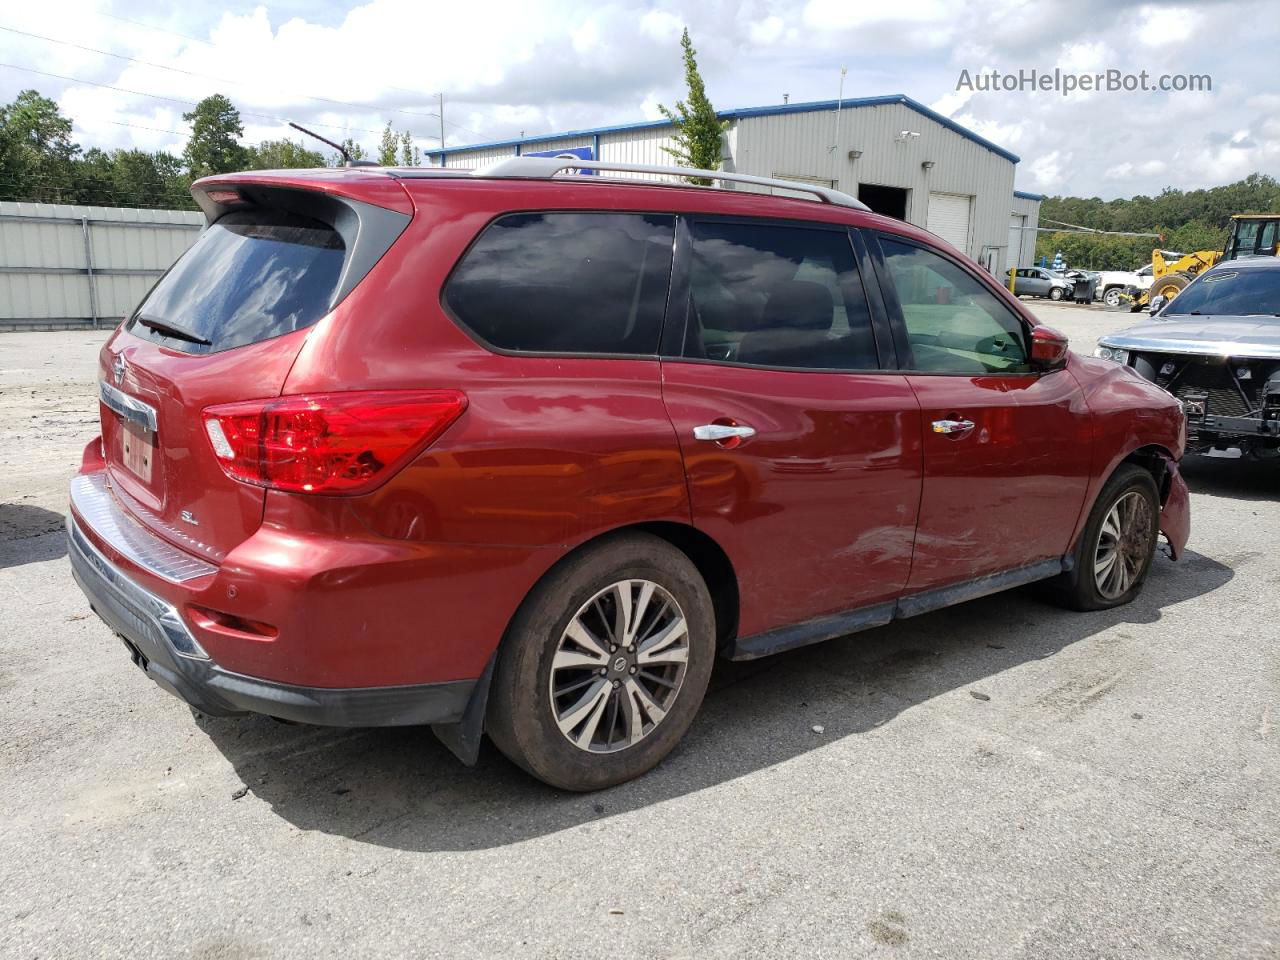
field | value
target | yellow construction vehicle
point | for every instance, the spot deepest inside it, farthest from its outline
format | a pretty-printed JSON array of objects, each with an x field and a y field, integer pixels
[{"x": 1251, "y": 235}]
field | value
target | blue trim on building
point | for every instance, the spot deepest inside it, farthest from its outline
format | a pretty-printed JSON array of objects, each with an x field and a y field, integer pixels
[
  {"x": 815, "y": 106},
  {"x": 1023, "y": 195}
]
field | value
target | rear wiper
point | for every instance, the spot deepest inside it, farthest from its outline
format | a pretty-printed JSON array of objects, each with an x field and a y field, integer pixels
[{"x": 172, "y": 329}]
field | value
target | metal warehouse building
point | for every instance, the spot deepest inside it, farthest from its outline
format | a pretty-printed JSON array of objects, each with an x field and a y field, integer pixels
[
  {"x": 72, "y": 266},
  {"x": 896, "y": 155}
]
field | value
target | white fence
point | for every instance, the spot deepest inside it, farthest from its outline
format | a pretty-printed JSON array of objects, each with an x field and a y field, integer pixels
[{"x": 68, "y": 266}]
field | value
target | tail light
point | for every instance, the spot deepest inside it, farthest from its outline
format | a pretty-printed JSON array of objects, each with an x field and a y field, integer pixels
[{"x": 331, "y": 443}]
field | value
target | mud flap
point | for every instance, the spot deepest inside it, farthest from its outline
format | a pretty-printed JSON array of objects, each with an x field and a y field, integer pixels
[{"x": 463, "y": 738}]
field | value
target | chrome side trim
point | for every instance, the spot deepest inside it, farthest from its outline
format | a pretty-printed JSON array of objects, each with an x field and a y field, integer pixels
[
  {"x": 1222, "y": 349},
  {"x": 92, "y": 500},
  {"x": 131, "y": 604},
  {"x": 131, "y": 408}
]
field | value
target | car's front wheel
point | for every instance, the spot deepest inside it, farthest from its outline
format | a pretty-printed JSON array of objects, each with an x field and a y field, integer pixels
[
  {"x": 1111, "y": 296},
  {"x": 1118, "y": 543},
  {"x": 1055, "y": 293},
  {"x": 605, "y": 664}
]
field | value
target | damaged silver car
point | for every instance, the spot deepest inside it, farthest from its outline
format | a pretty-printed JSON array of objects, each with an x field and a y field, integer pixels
[{"x": 1216, "y": 347}]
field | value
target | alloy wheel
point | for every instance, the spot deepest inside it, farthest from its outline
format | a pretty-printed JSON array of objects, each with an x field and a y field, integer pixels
[
  {"x": 1124, "y": 545},
  {"x": 619, "y": 666}
]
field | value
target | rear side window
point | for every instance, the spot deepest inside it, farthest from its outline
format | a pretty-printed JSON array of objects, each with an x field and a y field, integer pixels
[
  {"x": 567, "y": 283},
  {"x": 249, "y": 277},
  {"x": 954, "y": 323},
  {"x": 777, "y": 296}
]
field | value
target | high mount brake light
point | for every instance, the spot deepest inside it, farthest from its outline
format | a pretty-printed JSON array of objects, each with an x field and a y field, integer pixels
[
  {"x": 227, "y": 198},
  {"x": 330, "y": 443}
]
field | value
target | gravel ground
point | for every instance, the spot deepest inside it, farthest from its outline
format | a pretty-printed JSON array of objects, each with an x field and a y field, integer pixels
[{"x": 1002, "y": 779}]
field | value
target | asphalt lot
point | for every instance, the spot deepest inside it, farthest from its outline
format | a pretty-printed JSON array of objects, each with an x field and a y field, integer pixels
[{"x": 1118, "y": 794}]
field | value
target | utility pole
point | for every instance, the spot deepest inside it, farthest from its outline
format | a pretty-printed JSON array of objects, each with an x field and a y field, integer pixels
[
  {"x": 441, "y": 96},
  {"x": 835, "y": 146}
]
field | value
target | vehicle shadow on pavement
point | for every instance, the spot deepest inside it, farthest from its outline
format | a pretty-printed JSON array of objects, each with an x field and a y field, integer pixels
[
  {"x": 1232, "y": 479},
  {"x": 25, "y": 535},
  {"x": 399, "y": 788}
]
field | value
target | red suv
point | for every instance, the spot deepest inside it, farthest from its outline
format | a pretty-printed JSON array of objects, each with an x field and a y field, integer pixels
[{"x": 517, "y": 454}]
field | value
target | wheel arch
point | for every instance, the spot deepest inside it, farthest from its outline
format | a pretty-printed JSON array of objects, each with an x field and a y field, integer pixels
[
  {"x": 1155, "y": 459},
  {"x": 463, "y": 738},
  {"x": 1152, "y": 457}
]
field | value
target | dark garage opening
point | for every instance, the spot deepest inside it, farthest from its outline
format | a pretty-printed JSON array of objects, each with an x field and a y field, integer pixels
[{"x": 891, "y": 201}]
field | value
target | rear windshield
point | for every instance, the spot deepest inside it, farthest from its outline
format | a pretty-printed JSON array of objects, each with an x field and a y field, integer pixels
[
  {"x": 1227, "y": 292},
  {"x": 251, "y": 276}
]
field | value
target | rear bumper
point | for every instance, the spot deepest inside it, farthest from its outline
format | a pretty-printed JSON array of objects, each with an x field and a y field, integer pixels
[{"x": 162, "y": 644}]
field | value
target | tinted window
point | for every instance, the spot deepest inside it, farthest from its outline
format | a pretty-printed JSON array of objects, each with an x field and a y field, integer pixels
[
  {"x": 567, "y": 282},
  {"x": 249, "y": 277},
  {"x": 954, "y": 323},
  {"x": 1227, "y": 292},
  {"x": 777, "y": 297}
]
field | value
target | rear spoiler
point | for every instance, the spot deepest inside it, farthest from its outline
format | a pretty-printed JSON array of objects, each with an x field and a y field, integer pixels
[{"x": 367, "y": 230}]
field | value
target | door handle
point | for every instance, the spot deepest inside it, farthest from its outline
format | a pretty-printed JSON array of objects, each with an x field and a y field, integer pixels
[
  {"x": 719, "y": 432},
  {"x": 952, "y": 426}
]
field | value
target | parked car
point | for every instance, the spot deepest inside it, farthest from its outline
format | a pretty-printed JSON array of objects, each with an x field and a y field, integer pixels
[
  {"x": 1039, "y": 282},
  {"x": 1115, "y": 285},
  {"x": 1216, "y": 347},
  {"x": 518, "y": 455}
]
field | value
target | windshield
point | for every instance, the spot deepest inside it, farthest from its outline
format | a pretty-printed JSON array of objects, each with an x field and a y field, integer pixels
[
  {"x": 1234, "y": 293},
  {"x": 251, "y": 276}
]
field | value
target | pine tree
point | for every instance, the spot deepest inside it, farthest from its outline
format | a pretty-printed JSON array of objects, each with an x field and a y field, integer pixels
[
  {"x": 388, "y": 147},
  {"x": 214, "y": 145},
  {"x": 410, "y": 156},
  {"x": 698, "y": 129}
]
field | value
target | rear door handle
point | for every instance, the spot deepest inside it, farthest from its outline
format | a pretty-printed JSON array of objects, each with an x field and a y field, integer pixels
[
  {"x": 952, "y": 426},
  {"x": 723, "y": 431}
]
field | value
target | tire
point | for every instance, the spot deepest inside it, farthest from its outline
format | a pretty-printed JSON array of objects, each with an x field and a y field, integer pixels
[
  {"x": 1055, "y": 293},
  {"x": 1168, "y": 286},
  {"x": 1111, "y": 296},
  {"x": 616, "y": 736},
  {"x": 1086, "y": 586}
]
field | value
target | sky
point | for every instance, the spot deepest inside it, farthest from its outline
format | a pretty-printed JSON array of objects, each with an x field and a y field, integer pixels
[{"x": 507, "y": 67}]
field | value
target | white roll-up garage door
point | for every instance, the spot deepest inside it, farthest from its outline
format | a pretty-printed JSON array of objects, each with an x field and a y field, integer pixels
[
  {"x": 949, "y": 218},
  {"x": 1016, "y": 233}
]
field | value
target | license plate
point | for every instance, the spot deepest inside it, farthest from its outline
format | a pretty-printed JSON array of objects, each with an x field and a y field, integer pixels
[{"x": 138, "y": 449}]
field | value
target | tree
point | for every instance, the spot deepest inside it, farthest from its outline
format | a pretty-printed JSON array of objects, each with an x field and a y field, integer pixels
[
  {"x": 698, "y": 129},
  {"x": 397, "y": 148},
  {"x": 37, "y": 154},
  {"x": 354, "y": 151},
  {"x": 388, "y": 147},
  {"x": 282, "y": 155},
  {"x": 410, "y": 156},
  {"x": 214, "y": 145},
  {"x": 132, "y": 178}
]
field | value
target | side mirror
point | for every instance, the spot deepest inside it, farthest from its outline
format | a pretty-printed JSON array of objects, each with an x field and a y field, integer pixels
[
  {"x": 1048, "y": 349},
  {"x": 1157, "y": 304}
]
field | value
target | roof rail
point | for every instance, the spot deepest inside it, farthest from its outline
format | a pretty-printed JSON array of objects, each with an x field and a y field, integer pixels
[{"x": 544, "y": 168}]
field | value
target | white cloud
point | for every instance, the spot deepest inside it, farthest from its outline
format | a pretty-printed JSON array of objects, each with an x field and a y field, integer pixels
[
  {"x": 950, "y": 103},
  {"x": 767, "y": 31},
  {"x": 1129, "y": 170},
  {"x": 514, "y": 66},
  {"x": 1047, "y": 169},
  {"x": 1162, "y": 25}
]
